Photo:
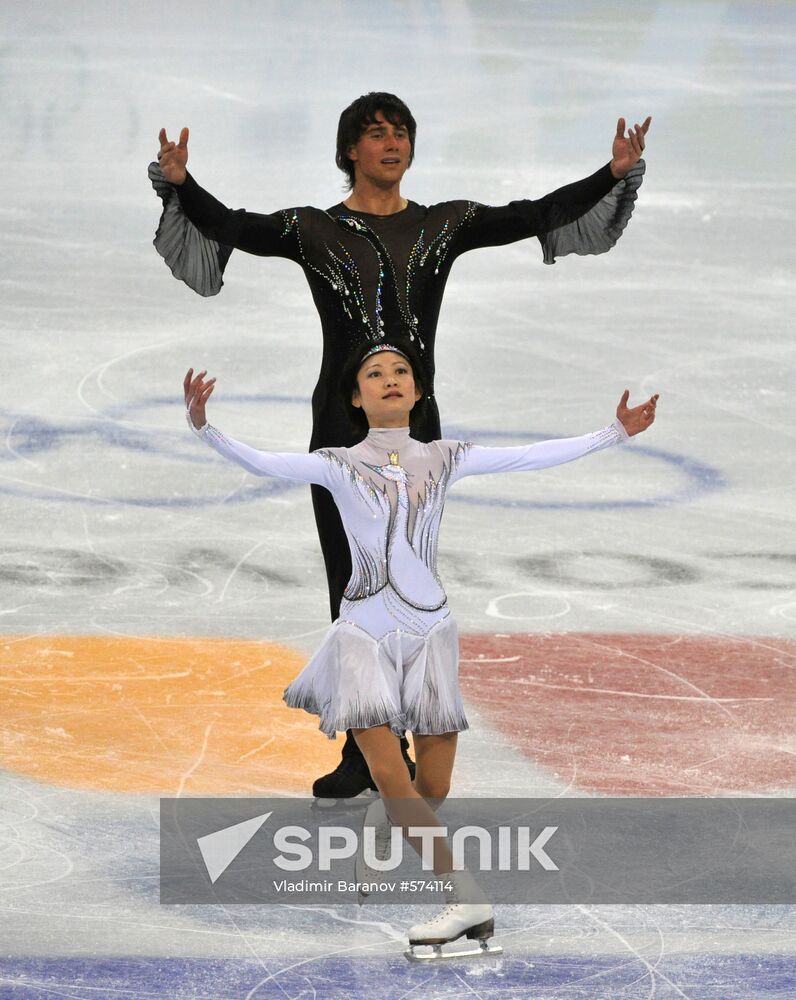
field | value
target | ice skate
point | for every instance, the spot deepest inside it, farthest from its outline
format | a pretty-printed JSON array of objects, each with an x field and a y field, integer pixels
[
  {"x": 467, "y": 914},
  {"x": 350, "y": 784},
  {"x": 377, "y": 818}
]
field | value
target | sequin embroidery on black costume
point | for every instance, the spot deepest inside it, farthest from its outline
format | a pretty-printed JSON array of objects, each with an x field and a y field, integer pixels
[{"x": 373, "y": 276}]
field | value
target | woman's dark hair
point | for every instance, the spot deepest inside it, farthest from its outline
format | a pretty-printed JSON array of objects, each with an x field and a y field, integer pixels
[
  {"x": 361, "y": 113},
  {"x": 349, "y": 384}
]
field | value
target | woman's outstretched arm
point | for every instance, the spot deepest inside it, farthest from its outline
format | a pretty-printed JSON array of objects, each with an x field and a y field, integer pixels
[
  {"x": 312, "y": 468},
  {"x": 478, "y": 461}
]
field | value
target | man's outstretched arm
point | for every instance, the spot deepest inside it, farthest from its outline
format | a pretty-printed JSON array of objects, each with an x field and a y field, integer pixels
[
  {"x": 235, "y": 228},
  {"x": 585, "y": 217},
  {"x": 197, "y": 233}
]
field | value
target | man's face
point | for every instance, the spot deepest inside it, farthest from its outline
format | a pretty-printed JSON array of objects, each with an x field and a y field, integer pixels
[{"x": 381, "y": 154}]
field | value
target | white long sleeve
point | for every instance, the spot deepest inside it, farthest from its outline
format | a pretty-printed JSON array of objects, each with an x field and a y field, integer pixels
[
  {"x": 283, "y": 465},
  {"x": 479, "y": 461}
]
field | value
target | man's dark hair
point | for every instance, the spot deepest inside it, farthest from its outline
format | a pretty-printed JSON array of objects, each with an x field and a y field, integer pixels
[
  {"x": 348, "y": 381},
  {"x": 361, "y": 113}
]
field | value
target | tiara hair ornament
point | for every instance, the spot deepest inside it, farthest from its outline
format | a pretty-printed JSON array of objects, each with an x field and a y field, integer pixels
[{"x": 378, "y": 348}]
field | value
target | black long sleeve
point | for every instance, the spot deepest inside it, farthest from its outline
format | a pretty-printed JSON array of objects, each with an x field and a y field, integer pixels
[{"x": 585, "y": 217}]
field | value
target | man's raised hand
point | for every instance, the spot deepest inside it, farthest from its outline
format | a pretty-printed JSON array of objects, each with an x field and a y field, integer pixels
[
  {"x": 628, "y": 149},
  {"x": 173, "y": 156},
  {"x": 197, "y": 392},
  {"x": 637, "y": 418}
]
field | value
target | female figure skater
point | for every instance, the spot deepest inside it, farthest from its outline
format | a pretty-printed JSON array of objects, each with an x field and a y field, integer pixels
[{"x": 390, "y": 661}]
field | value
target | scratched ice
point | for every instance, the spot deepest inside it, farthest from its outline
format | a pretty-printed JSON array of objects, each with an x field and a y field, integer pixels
[{"x": 138, "y": 572}]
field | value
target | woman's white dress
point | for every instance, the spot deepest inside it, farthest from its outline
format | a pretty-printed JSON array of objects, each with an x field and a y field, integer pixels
[{"x": 392, "y": 656}]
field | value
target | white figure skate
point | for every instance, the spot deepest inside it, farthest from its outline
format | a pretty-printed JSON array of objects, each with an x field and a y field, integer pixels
[
  {"x": 376, "y": 818},
  {"x": 467, "y": 914}
]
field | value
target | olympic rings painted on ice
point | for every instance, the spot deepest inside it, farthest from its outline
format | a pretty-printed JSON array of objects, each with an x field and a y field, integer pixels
[{"x": 28, "y": 437}]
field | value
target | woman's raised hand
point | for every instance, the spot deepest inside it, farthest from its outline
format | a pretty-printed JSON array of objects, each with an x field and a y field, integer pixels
[
  {"x": 173, "y": 156},
  {"x": 197, "y": 393},
  {"x": 637, "y": 418}
]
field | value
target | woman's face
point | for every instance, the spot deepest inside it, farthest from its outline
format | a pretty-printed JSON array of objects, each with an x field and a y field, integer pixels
[{"x": 386, "y": 389}]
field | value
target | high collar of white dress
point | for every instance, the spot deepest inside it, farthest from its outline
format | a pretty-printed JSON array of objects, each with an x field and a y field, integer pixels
[{"x": 388, "y": 437}]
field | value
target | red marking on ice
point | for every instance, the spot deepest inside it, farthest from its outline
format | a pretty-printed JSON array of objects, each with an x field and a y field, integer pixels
[{"x": 642, "y": 714}]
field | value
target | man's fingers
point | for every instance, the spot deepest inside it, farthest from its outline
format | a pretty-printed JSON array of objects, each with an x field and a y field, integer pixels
[
  {"x": 183, "y": 143},
  {"x": 163, "y": 138},
  {"x": 640, "y": 131}
]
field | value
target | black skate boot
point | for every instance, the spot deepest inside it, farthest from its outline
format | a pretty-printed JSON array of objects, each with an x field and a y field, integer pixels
[
  {"x": 410, "y": 764},
  {"x": 350, "y": 783}
]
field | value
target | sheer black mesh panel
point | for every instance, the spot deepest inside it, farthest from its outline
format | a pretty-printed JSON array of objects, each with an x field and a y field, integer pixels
[
  {"x": 600, "y": 228},
  {"x": 191, "y": 257}
]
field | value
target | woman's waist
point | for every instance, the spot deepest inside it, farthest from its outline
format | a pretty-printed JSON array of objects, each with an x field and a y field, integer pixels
[{"x": 384, "y": 612}]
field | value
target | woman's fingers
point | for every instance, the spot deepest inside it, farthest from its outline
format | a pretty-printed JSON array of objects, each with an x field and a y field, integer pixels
[
  {"x": 636, "y": 418},
  {"x": 194, "y": 386},
  {"x": 648, "y": 410}
]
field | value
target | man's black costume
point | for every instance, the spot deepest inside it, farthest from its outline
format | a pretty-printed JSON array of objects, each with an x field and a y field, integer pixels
[{"x": 373, "y": 277}]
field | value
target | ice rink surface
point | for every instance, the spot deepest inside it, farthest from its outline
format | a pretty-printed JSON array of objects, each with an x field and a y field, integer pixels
[{"x": 629, "y": 622}]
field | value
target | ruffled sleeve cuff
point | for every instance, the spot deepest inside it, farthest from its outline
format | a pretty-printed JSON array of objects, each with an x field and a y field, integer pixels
[
  {"x": 599, "y": 229},
  {"x": 191, "y": 257}
]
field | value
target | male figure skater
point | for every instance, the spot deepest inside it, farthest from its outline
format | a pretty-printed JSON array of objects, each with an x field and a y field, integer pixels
[{"x": 377, "y": 265}]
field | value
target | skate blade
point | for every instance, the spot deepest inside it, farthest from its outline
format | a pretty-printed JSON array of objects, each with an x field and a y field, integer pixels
[
  {"x": 363, "y": 799},
  {"x": 436, "y": 954}
]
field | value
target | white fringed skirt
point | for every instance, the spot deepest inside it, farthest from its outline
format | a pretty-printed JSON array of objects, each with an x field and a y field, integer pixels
[{"x": 406, "y": 681}]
